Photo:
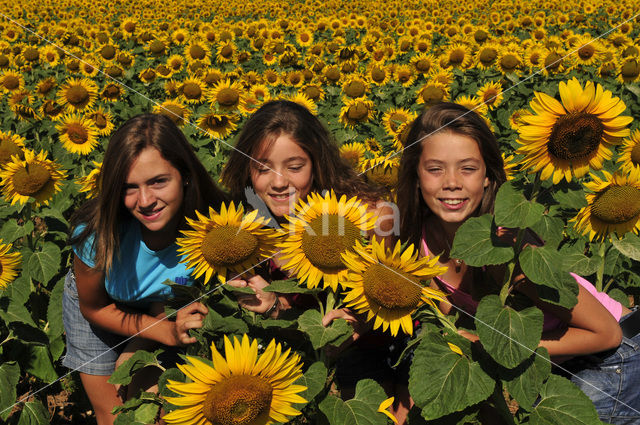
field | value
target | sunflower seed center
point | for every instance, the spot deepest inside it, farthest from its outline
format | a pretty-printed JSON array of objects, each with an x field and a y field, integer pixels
[
  {"x": 456, "y": 57},
  {"x": 618, "y": 204},
  {"x": 7, "y": 149},
  {"x": 30, "y": 179},
  {"x": 378, "y": 75},
  {"x": 575, "y": 136},
  {"x": 432, "y": 94},
  {"x": 391, "y": 289},
  {"x": 635, "y": 155},
  {"x": 509, "y": 62},
  {"x": 238, "y": 400},
  {"x": 630, "y": 69},
  {"x": 191, "y": 91},
  {"x": 11, "y": 82},
  {"x": 326, "y": 238},
  {"x": 228, "y": 97},
  {"x": 586, "y": 52},
  {"x": 197, "y": 52},
  {"x": 157, "y": 47},
  {"x": 358, "y": 111},
  {"x": 77, "y": 95},
  {"x": 228, "y": 246}
]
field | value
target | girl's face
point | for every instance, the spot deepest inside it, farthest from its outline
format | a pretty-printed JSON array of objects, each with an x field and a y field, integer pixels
[
  {"x": 285, "y": 177},
  {"x": 452, "y": 176},
  {"x": 154, "y": 192}
]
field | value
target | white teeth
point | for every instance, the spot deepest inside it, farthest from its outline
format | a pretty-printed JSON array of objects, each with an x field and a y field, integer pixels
[
  {"x": 281, "y": 196},
  {"x": 452, "y": 201}
]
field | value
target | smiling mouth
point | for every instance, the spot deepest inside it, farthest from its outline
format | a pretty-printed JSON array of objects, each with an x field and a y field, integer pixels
[
  {"x": 452, "y": 202},
  {"x": 281, "y": 197},
  {"x": 151, "y": 214}
]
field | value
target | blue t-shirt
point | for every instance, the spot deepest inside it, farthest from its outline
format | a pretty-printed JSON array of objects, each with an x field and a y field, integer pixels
[{"x": 137, "y": 275}]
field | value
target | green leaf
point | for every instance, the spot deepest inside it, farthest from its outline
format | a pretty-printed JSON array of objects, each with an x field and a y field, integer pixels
[
  {"x": 43, "y": 265},
  {"x": 442, "y": 382},
  {"x": 40, "y": 363},
  {"x": 314, "y": 379},
  {"x": 18, "y": 291},
  {"x": 175, "y": 375},
  {"x": 362, "y": 409},
  {"x": 138, "y": 411},
  {"x": 54, "y": 310},
  {"x": 12, "y": 231},
  {"x": 513, "y": 210},
  {"x": 543, "y": 266},
  {"x": 214, "y": 322},
  {"x": 15, "y": 312},
  {"x": 9, "y": 377},
  {"x": 550, "y": 229},
  {"x": 508, "y": 335},
  {"x": 477, "y": 244},
  {"x": 573, "y": 260},
  {"x": 310, "y": 322},
  {"x": 562, "y": 403},
  {"x": 34, "y": 413},
  {"x": 140, "y": 359},
  {"x": 629, "y": 245},
  {"x": 289, "y": 286},
  {"x": 244, "y": 291},
  {"x": 525, "y": 382},
  {"x": 620, "y": 296}
]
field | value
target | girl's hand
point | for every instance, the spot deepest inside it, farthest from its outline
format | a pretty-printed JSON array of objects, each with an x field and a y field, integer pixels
[
  {"x": 471, "y": 337},
  {"x": 359, "y": 328},
  {"x": 189, "y": 317},
  {"x": 261, "y": 301}
]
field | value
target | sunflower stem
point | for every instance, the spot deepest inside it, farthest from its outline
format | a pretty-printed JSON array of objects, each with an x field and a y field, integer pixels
[
  {"x": 26, "y": 211},
  {"x": 535, "y": 191},
  {"x": 501, "y": 405},
  {"x": 511, "y": 266},
  {"x": 600, "y": 273}
]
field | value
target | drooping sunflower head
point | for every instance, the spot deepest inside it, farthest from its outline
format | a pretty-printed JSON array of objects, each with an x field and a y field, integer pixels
[
  {"x": 244, "y": 388},
  {"x": 389, "y": 285},
  {"x": 229, "y": 241},
  {"x": 319, "y": 232},
  {"x": 356, "y": 111},
  {"x": 175, "y": 110},
  {"x": 9, "y": 264},
  {"x": 394, "y": 118},
  {"x": 613, "y": 206},
  {"x": 353, "y": 153},
  {"x": 218, "y": 125},
  {"x": 432, "y": 93},
  {"x": 562, "y": 140},
  {"x": 382, "y": 170},
  {"x": 32, "y": 177}
]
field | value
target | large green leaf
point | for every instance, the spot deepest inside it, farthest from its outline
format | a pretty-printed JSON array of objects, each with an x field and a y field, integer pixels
[
  {"x": 574, "y": 260},
  {"x": 54, "y": 310},
  {"x": 18, "y": 291},
  {"x": 310, "y": 322},
  {"x": 543, "y": 266},
  {"x": 43, "y": 265},
  {"x": 290, "y": 286},
  {"x": 550, "y": 229},
  {"x": 314, "y": 379},
  {"x": 139, "y": 360},
  {"x": 12, "y": 231},
  {"x": 525, "y": 381},
  {"x": 40, "y": 363},
  {"x": 9, "y": 377},
  {"x": 442, "y": 382},
  {"x": 509, "y": 336},
  {"x": 34, "y": 413},
  {"x": 562, "y": 403},
  {"x": 513, "y": 210},
  {"x": 15, "y": 312},
  {"x": 362, "y": 409},
  {"x": 477, "y": 244},
  {"x": 138, "y": 411},
  {"x": 215, "y": 322},
  {"x": 629, "y": 245}
]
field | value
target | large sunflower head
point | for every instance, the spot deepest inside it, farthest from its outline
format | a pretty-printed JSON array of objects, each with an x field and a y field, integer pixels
[
  {"x": 78, "y": 134},
  {"x": 175, "y": 110},
  {"x": 78, "y": 94},
  {"x": 381, "y": 170},
  {"x": 394, "y": 118},
  {"x": 218, "y": 125},
  {"x": 11, "y": 81},
  {"x": 242, "y": 389},
  {"x": 32, "y": 177},
  {"x": 389, "y": 285},
  {"x": 319, "y": 232},
  {"x": 226, "y": 95},
  {"x": 10, "y": 145},
  {"x": 563, "y": 139},
  {"x": 229, "y": 241},
  {"x": 356, "y": 111},
  {"x": 9, "y": 264},
  {"x": 613, "y": 206}
]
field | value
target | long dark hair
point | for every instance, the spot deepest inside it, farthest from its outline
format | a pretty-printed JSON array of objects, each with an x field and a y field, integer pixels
[
  {"x": 440, "y": 118},
  {"x": 272, "y": 119},
  {"x": 104, "y": 214}
]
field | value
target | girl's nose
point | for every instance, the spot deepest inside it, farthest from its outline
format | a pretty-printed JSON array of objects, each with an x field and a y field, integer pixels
[
  {"x": 146, "y": 197},
  {"x": 279, "y": 180},
  {"x": 451, "y": 181}
]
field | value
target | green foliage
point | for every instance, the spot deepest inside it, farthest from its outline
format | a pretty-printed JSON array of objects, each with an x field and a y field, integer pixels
[
  {"x": 360, "y": 410},
  {"x": 310, "y": 322}
]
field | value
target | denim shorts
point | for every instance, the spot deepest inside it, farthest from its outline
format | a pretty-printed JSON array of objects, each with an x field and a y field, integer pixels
[
  {"x": 612, "y": 381},
  {"x": 90, "y": 349}
]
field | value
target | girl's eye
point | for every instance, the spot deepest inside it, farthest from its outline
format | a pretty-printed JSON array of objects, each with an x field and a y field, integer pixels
[
  {"x": 262, "y": 170},
  {"x": 295, "y": 168},
  {"x": 469, "y": 169},
  {"x": 159, "y": 182}
]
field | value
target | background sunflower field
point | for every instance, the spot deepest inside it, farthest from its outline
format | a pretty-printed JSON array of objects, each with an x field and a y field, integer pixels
[{"x": 556, "y": 81}]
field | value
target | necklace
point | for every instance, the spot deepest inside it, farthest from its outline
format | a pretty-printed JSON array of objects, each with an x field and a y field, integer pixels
[{"x": 457, "y": 261}]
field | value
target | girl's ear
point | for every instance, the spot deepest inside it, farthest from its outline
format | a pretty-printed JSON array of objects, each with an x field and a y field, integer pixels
[{"x": 486, "y": 182}]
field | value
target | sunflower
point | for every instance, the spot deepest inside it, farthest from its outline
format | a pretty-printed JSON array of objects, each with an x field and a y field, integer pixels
[
  {"x": 490, "y": 94},
  {"x": 564, "y": 139},
  {"x": 304, "y": 101},
  {"x": 175, "y": 63},
  {"x": 89, "y": 183},
  {"x": 356, "y": 111},
  {"x": 458, "y": 56},
  {"x": 394, "y": 118},
  {"x": 193, "y": 90},
  {"x": 378, "y": 74},
  {"x": 242, "y": 388},
  {"x": 509, "y": 59},
  {"x": 382, "y": 171},
  {"x": 218, "y": 125},
  {"x": 226, "y": 242},
  {"x": 423, "y": 63},
  {"x": 34, "y": 176},
  {"x": 404, "y": 74},
  {"x": 533, "y": 57},
  {"x": 157, "y": 47},
  {"x": 473, "y": 103},
  {"x": 510, "y": 166},
  {"x": 388, "y": 285},
  {"x": 629, "y": 70},
  {"x": 629, "y": 153},
  {"x": 20, "y": 102},
  {"x": 10, "y": 145},
  {"x": 9, "y": 264},
  {"x": 355, "y": 86},
  {"x": 353, "y": 153},
  {"x": 321, "y": 229},
  {"x": 587, "y": 50},
  {"x": 553, "y": 61},
  {"x": 515, "y": 120},
  {"x": 111, "y": 92},
  {"x": 50, "y": 55},
  {"x": 174, "y": 109},
  {"x": 196, "y": 50},
  {"x": 76, "y": 95},
  {"x": 226, "y": 52},
  {"x": 102, "y": 120},
  {"x": 432, "y": 93},
  {"x": 613, "y": 207},
  {"x": 313, "y": 91},
  {"x": 78, "y": 134},
  {"x": 226, "y": 95},
  {"x": 11, "y": 81}
]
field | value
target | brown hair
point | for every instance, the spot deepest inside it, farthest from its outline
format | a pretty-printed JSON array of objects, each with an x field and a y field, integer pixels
[
  {"x": 104, "y": 215},
  {"x": 273, "y": 118},
  {"x": 443, "y": 117}
]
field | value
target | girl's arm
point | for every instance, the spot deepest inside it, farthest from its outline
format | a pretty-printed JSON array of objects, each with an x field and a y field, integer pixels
[{"x": 100, "y": 310}]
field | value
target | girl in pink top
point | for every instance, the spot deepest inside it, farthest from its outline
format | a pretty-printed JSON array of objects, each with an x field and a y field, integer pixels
[{"x": 451, "y": 170}]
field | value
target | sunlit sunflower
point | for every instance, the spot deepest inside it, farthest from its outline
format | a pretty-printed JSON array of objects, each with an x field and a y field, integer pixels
[
  {"x": 458, "y": 56},
  {"x": 197, "y": 50},
  {"x": 473, "y": 103},
  {"x": 89, "y": 183},
  {"x": 21, "y": 103},
  {"x": 629, "y": 70},
  {"x": 76, "y": 95},
  {"x": 102, "y": 120},
  {"x": 218, "y": 125},
  {"x": 147, "y": 75},
  {"x": 226, "y": 52},
  {"x": 395, "y": 117},
  {"x": 9, "y": 264},
  {"x": 564, "y": 139},
  {"x": 423, "y": 63},
  {"x": 32, "y": 177},
  {"x": 242, "y": 388},
  {"x": 613, "y": 206},
  {"x": 490, "y": 94},
  {"x": 509, "y": 59},
  {"x": 321, "y": 229},
  {"x": 77, "y": 133},
  {"x": 175, "y": 110},
  {"x": 193, "y": 90},
  {"x": 11, "y": 81},
  {"x": 553, "y": 61},
  {"x": 176, "y": 63},
  {"x": 389, "y": 285},
  {"x": 353, "y": 153},
  {"x": 226, "y": 95},
  {"x": 378, "y": 74},
  {"x": 510, "y": 166},
  {"x": 404, "y": 74},
  {"x": 50, "y": 55},
  {"x": 226, "y": 242},
  {"x": 302, "y": 100},
  {"x": 10, "y": 145},
  {"x": 313, "y": 91},
  {"x": 432, "y": 93},
  {"x": 629, "y": 153},
  {"x": 586, "y": 50},
  {"x": 381, "y": 170},
  {"x": 112, "y": 92},
  {"x": 356, "y": 111}
]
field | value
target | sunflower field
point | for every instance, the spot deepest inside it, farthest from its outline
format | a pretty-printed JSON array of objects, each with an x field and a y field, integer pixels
[{"x": 558, "y": 82}]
